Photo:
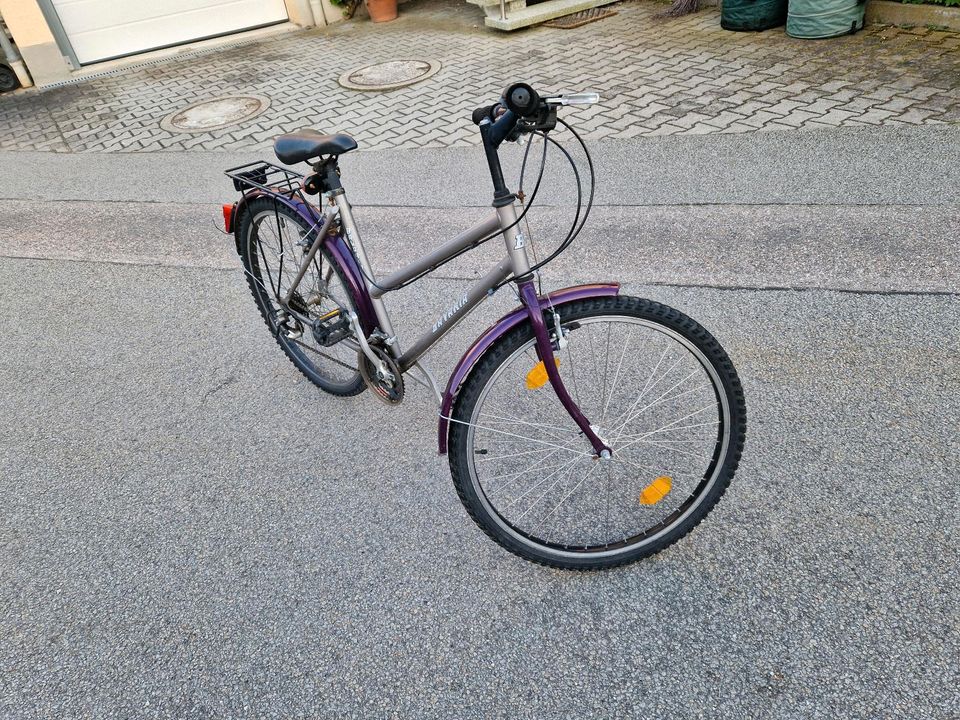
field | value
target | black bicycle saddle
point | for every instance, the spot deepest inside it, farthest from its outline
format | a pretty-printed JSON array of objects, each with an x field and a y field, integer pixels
[{"x": 306, "y": 143}]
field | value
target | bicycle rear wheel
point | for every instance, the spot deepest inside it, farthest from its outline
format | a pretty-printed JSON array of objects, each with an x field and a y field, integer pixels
[
  {"x": 656, "y": 386},
  {"x": 273, "y": 245}
]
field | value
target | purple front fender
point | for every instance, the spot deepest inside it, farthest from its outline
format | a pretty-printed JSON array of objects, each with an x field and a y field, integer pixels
[{"x": 499, "y": 329}]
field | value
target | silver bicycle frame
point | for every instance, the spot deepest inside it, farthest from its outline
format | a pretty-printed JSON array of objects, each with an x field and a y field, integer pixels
[{"x": 515, "y": 264}]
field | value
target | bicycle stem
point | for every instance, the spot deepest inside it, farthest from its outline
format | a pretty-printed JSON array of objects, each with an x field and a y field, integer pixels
[{"x": 528, "y": 296}]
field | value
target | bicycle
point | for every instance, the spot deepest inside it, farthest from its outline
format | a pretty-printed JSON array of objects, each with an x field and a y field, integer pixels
[{"x": 645, "y": 424}]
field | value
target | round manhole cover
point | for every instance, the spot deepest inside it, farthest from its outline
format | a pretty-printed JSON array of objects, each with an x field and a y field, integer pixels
[
  {"x": 389, "y": 75},
  {"x": 214, "y": 114}
]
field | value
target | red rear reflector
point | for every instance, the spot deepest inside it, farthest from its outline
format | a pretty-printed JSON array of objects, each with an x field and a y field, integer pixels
[{"x": 228, "y": 217}]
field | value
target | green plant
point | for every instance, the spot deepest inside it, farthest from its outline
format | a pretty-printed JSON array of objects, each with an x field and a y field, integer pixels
[{"x": 349, "y": 7}]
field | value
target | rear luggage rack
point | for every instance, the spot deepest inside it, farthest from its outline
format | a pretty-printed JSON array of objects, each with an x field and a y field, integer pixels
[
  {"x": 281, "y": 185},
  {"x": 268, "y": 177}
]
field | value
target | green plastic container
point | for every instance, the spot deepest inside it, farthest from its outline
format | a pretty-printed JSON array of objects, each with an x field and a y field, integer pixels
[
  {"x": 753, "y": 14},
  {"x": 824, "y": 18}
]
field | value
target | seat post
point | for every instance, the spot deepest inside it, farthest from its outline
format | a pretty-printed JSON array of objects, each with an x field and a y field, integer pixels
[{"x": 329, "y": 173}]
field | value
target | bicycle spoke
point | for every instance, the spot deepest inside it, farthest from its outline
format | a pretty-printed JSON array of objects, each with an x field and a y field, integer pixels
[
  {"x": 616, "y": 377},
  {"x": 620, "y": 457},
  {"x": 668, "y": 447},
  {"x": 606, "y": 365},
  {"x": 538, "y": 426},
  {"x": 641, "y": 436},
  {"x": 606, "y": 496},
  {"x": 499, "y": 490},
  {"x": 500, "y": 458},
  {"x": 646, "y": 385},
  {"x": 670, "y": 426},
  {"x": 647, "y": 388},
  {"x": 568, "y": 467},
  {"x": 661, "y": 399},
  {"x": 522, "y": 437},
  {"x": 565, "y": 498}
]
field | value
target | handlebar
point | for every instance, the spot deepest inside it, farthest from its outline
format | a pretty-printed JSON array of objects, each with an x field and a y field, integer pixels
[
  {"x": 521, "y": 109},
  {"x": 527, "y": 104}
]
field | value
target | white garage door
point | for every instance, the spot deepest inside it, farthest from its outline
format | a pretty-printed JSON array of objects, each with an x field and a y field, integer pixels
[{"x": 102, "y": 29}]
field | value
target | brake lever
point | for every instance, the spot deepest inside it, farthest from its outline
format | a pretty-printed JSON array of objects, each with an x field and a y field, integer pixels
[
  {"x": 544, "y": 122},
  {"x": 583, "y": 98}
]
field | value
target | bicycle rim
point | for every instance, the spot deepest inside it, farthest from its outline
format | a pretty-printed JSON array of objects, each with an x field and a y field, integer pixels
[
  {"x": 675, "y": 429},
  {"x": 276, "y": 252}
]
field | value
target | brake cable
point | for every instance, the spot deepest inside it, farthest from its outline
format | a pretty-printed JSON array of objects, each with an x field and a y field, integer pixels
[
  {"x": 578, "y": 221},
  {"x": 575, "y": 227},
  {"x": 476, "y": 244}
]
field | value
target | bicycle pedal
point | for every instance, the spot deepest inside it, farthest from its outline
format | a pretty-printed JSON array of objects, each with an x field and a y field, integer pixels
[{"x": 331, "y": 328}]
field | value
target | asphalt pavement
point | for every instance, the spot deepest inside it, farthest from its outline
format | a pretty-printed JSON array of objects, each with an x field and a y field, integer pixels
[
  {"x": 191, "y": 530},
  {"x": 840, "y": 166}
]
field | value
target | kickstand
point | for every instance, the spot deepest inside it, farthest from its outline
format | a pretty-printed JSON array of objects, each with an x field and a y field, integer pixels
[{"x": 428, "y": 382}]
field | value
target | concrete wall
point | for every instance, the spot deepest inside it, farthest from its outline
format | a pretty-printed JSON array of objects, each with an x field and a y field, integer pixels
[
  {"x": 34, "y": 41},
  {"x": 895, "y": 13}
]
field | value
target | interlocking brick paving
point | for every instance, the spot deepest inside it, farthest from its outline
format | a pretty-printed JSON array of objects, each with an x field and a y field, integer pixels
[{"x": 684, "y": 76}]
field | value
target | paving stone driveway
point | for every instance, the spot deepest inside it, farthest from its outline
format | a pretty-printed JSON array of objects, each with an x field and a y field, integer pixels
[{"x": 686, "y": 76}]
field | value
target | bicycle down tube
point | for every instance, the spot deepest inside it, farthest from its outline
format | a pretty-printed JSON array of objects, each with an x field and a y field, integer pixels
[{"x": 515, "y": 264}]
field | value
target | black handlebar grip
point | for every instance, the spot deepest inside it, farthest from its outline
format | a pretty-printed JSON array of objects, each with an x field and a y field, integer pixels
[
  {"x": 522, "y": 99},
  {"x": 482, "y": 113}
]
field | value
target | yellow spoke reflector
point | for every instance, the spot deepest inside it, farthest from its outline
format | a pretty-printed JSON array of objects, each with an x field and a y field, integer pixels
[
  {"x": 656, "y": 491},
  {"x": 537, "y": 377}
]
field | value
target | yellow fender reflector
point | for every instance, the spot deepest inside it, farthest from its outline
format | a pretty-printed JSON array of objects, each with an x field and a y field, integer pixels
[
  {"x": 537, "y": 377},
  {"x": 656, "y": 491}
]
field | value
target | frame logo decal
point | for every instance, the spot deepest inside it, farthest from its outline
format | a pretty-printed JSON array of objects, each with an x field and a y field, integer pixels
[
  {"x": 449, "y": 313},
  {"x": 521, "y": 241}
]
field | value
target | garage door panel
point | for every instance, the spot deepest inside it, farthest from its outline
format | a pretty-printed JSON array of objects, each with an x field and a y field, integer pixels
[
  {"x": 100, "y": 29},
  {"x": 87, "y": 15}
]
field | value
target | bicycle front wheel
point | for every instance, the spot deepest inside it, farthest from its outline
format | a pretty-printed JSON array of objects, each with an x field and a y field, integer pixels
[{"x": 656, "y": 386}]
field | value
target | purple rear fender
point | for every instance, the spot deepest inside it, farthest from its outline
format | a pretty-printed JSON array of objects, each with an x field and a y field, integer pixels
[
  {"x": 509, "y": 321},
  {"x": 343, "y": 255},
  {"x": 335, "y": 244},
  {"x": 309, "y": 213}
]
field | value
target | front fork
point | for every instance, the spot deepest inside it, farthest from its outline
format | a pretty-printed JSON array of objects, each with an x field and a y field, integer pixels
[{"x": 528, "y": 295}]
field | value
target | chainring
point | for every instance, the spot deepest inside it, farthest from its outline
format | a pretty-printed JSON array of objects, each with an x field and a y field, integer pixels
[{"x": 388, "y": 390}]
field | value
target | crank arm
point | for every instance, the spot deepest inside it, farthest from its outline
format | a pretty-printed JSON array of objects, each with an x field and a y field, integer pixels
[{"x": 363, "y": 345}]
